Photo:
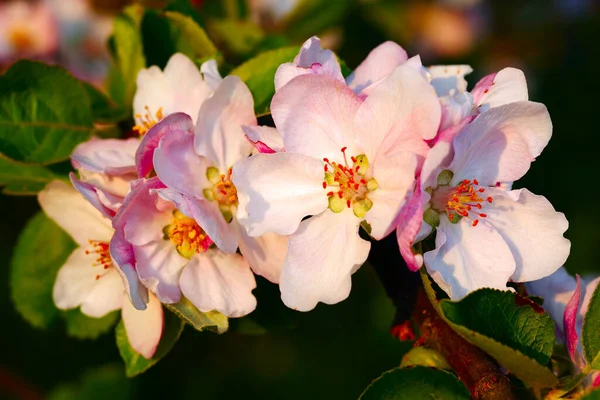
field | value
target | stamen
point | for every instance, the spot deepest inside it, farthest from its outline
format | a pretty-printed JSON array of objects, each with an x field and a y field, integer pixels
[
  {"x": 100, "y": 248},
  {"x": 147, "y": 120}
]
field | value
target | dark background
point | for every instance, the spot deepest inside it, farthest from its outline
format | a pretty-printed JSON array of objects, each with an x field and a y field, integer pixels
[{"x": 335, "y": 351}]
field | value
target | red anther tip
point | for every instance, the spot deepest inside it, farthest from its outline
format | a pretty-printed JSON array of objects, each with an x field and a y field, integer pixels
[
  {"x": 344, "y": 149},
  {"x": 475, "y": 182},
  {"x": 326, "y": 160},
  {"x": 324, "y": 185},
  {"x": 404, "y": 331},
  {"x": 489, "y": 199},
  {"x": 483, "y": 215},
  {"x": 451, "y": 217},
  {"x": 475, "y": 222},
  {"x": 353, "y": 159},
  {"x": 481, "y": 190},
  {"x": 348, "y": 203},
  {"x": 340, "y": 194}
]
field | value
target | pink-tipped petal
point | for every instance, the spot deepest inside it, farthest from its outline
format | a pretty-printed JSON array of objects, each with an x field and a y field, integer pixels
[
  {"x": 110, "y": 156},
  {"x": 144, "y": 328},
  {"x": 264, "y": 138},
  {"x": 314, "y": 115},
  {"x": 570, "y": 322},
  {"x": 178, "y": 165},
  {"x": 91, "y": 194},
  {"x": 504, "y": 87},
  {"x": 409, "y": 223},
  {"x": 123, "y": 256},
  {"x": 159, "y": 265},
  {"x": 322, "y": 274},
  {"x": 145, "y": 152},
  {"x": 218, "y": 133},
  {"x": 380, "y": 62},
  {"x": 217, "y": 281}
]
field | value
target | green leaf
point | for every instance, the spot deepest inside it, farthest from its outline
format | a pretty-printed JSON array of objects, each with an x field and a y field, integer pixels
[
  {"x": 522, "y": 366},
  {"x": 81, "y": 326},
  {"x": 192, "y": 40},
  {"x": 106, "y": 382},
  {"x": 135, "y": 363},
  {"x": 506, "y": 317},
  {"x": 20, "y": 178},
  {"x": 238, "y": 36},
  {"x": 44, "y": 113},
  {"x": 128, "y": 55},
  {"x": 159, "y": 46},
  {"x": 593, "y": 395},
  {"x": 259, "y": 74},
  {"x": 416, "y": 383},
  {"x": 42, "y": 248},
  {"x": 212, "y": 321},
  {"x": 104, "y": 109},
  {"x": 590, "y": 339}
]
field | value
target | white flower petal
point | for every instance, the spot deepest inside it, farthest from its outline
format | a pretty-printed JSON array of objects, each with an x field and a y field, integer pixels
[
  {"x": 322, "y": 255},
  {"x": 144, "y": 328},
  {"x": 212, "y": 77},
  {"x": 261, "y": 136},
  {"x": 275, "y": 191},
  {"x": 380, "y": 62},
  {"x": 507, "y": 86},
  {"x": 217, "y": 281},
  {"x": 532, "y": 229},
  {"x": 446, "y": 78},
  {"x": 265, "y": 253},
  {"x": 67, "y": 207},
  {"x": 75, "y": 279},
  {"x": 111, "y": 156},
  {"x": 218, "y": 133},
  {"x": 467, "y": 258},
  {"x": 105, "y": 296}
]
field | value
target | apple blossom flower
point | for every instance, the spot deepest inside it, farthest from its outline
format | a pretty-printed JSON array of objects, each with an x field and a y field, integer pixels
[
  {"x": 196, "y": 162},
  {"x": 26, "y": 30},
  {"x": 172, "y": 254},
  {"x": 89, "y": 279},
  {"x": 346, "y": 160},
  {"x": 179, "y": 88},
  {"x": 485, "y": 235},
  {"x": 105, "y": 167}
]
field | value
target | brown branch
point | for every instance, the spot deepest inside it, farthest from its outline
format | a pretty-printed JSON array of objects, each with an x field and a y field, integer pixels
[{"x": 474, "y": 368}]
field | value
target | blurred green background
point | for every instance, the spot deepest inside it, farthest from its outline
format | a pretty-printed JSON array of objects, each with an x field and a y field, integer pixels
[{"x": 336, "y": 351}]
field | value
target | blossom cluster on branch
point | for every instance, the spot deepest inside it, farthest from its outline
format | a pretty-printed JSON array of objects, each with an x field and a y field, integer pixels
[{"x": 201, "y": 198}]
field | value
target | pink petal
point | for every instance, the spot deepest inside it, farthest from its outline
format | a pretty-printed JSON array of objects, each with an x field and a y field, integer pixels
[
  {"x": 410, "y": 220},
  {"x": 570, "y": 322},
  {"x": 106, "y": 296},
  {"x": 218, "y": 133},
  {"x": 275, "y": 191},
  {"x": 179, "y": 166},
  {"x": 159, "y": 265},
  {"x": 144, "y": 328},
  {"x": 314, "y": 115},
  {"x": 322, "y": 255},
  {"x": 124, "y": 262},
  {"x": 447, "y": 79},
  {"x": 500, "y": 144},
  {"x": 504, "y": 87},
  {"x": 217, "y": 281},
  {"x": 145, "y": 152},
  {"x": 380, "y": 62},
  {"x": 398, "y": 115},
  {"x": 264, "y": 138},
  {"x": 110, "y": 156},
  {"x": 91, "y": 194},
  {"x": 311, "y": 59}
]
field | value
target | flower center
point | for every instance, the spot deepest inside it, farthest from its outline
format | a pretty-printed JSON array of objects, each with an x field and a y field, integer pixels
[
  {"x": 223, "y": 191},
  {"x": 187, "y": 236},
  {"x": 103, "y": 259},
  {"x": 351, "y": 184},
  {"x": 462, "y": 201},
  {"x": 147, "y": 120}
]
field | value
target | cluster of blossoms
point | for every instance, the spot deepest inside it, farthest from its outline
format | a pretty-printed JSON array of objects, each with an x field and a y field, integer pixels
[{"x": 392, "y": 147}]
